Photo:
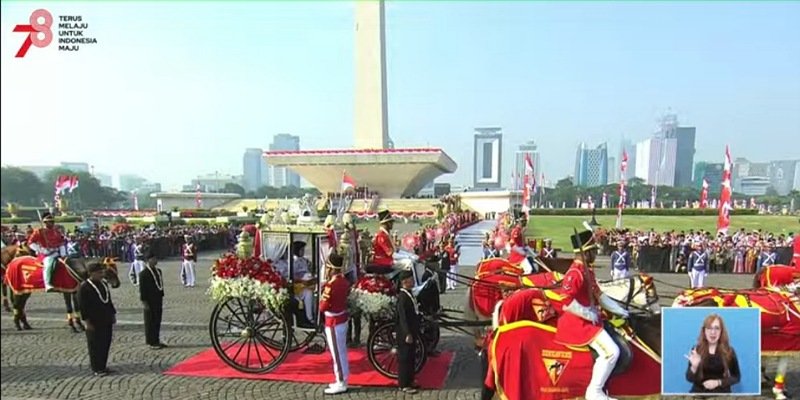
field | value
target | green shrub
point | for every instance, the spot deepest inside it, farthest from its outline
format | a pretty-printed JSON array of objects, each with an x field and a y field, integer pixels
[
  {"x": 68, "y": 218},
  {"x": 18, "y": 220},
  {"x": 198, "y": 222},
  {"x": 120, "y": 219}
]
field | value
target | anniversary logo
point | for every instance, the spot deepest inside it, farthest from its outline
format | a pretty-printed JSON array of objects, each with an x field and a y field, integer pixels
[{"x": 71, "y": 32}]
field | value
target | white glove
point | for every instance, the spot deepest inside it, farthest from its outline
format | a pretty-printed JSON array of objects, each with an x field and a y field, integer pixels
[
  {"x": 612, "y": 306},
  {"x": 582, "y": 311}
]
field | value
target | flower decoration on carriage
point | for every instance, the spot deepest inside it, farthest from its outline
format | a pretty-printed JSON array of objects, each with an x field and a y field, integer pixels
[
  {"x": 373, "y": 296},
  {"x": 249, "y": 278},
  {"x": 410, "y": 241}
]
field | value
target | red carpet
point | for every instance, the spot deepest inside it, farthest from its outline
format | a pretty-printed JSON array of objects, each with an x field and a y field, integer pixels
[{"x": 314, "y": 368}]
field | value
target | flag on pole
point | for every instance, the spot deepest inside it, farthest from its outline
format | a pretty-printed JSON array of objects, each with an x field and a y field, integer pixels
[
  {"x": 724, "y": 218},
  {"x": 348, "y": 183},
  {"x": 73, "y": 183},
  {"x": 704, "y": 194},
  {"x": 623, "y": 166},
  {"x": 198, "y": 199}
]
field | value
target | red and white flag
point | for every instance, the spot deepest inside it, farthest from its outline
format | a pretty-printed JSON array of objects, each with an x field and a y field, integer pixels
[
  {"x": 348, "y": 183},
  {"x": 704, "y": 194},
  {"x": 73, "y": 183},
  {"x": 62, "y": 184},
  {"x": 198, "y": 199},
  {"x": 623, "y": 166},
  {"x": 724, "y": 218}
]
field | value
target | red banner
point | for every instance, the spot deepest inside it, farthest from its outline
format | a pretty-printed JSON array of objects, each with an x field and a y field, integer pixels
[
  {"x": 724, "y": 219},
  {"x": 25, "y": 275}
]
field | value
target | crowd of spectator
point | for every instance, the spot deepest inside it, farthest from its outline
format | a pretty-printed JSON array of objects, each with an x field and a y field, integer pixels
[
  {"x": 118, "y": 241},
  {"x": 739, "y": 252}
]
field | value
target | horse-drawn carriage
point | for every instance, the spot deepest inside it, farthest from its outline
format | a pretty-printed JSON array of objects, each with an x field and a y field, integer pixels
[{"x": 256, "y": 324}]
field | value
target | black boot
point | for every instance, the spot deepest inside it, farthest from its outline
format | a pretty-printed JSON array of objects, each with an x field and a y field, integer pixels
[
  {"x": 16, "y": 322},
  {"x": 25, "y": 325},
  {"x": 6, "y": 305}
]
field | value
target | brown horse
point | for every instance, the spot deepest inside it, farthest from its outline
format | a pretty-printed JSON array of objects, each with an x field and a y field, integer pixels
[
  {"x": 78, "y": 272},
  {"x": 7, "y": 254}
]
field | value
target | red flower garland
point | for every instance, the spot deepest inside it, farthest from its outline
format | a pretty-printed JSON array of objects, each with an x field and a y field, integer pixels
[
  {"x": 376, "y": 284},
  {"x": 230, "y": 266}
]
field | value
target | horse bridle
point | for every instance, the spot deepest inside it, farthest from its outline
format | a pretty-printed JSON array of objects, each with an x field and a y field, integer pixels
[{"x": 631, "y": 294}]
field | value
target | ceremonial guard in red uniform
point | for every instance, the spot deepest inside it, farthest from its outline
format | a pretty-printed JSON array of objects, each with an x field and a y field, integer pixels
[
  {"x": 581, "y": 323},
  {"x": 189, "y": 258},
  {"x": 382, "y": 245},
  {"x": 519, "y": 250},
  {"x": 796, "y": 252},
  {"x": 333, "y": 304},
  {"x": 51, "y": 243}
]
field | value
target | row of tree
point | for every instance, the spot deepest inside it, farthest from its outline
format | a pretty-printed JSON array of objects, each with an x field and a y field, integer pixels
[
  {"x": 24, "y": 187},
  {"x": 27, "y": 189},
  {"x": 566, "y": 192}
]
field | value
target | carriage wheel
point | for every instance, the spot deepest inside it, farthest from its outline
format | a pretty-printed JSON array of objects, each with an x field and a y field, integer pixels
[
  {"x": 298, "y": 339},
  {"x": 382, "y": 351},
  {"x": 248, "y": 336}
]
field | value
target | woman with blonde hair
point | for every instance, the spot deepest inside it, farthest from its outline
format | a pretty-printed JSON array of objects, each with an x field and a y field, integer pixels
[{"x": 713, "y": 366}]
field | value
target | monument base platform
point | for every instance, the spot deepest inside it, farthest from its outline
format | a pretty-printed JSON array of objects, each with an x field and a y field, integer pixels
[{"x": 389, "y": 172}]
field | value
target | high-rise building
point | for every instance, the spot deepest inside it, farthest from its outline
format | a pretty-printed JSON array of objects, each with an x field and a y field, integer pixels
[
  {"x": 782, "y": 175},
  {"x": 129, "y": 182},
  {"x": 75, "y": 166},
  {"x": 655, "y": 161},
  {"x": 613, "y": 170},
  {"x": 684, "y": 148},
  {"x": 529, "y": 148},
  {"x": 104, "y": 179},
  {"x": 712, "y": 172},
  {"x": 743, "y": 168},
  {"x": 215, "y": 182},
  {"x": 591, "y": 166},
  {"x": 488, "y": 158},
  {"x": 254, "y": 169},
  {"x": 281, "y": 176}
]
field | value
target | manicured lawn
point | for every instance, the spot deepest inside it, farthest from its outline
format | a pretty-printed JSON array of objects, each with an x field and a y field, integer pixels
[{"x": 559, "y": 228}]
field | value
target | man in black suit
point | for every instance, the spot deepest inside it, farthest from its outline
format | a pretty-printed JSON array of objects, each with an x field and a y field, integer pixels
[
  {"x": 99, "y": 314},
  {"x": 151, "y": 292},
  {"x": 407, "y": 332}
]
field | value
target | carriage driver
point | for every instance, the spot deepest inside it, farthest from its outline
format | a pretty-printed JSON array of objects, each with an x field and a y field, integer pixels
[
  {"x": 333, "y": 304},
  {"x": 581, "y": 324},
  {"x": 519, "y": 249},
  {"x": 384, "y": 258},
  {"x": 50, "y": 242}
]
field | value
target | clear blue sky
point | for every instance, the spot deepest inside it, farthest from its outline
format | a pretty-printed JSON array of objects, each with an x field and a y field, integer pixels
[{"x": 179, "y": 89}]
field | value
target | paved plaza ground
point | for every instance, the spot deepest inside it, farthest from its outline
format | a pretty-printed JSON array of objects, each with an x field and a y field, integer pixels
[{"x": 50, "y": 362}]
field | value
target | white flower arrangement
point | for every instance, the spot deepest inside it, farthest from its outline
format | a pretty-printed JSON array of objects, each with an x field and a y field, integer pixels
[
  {"x": 373, "y": 305},
  {"x": 247, "y": 288}
]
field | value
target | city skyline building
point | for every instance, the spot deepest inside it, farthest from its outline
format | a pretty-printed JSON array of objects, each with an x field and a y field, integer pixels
[
  {"x": 488, "y": 158},
  {"x": 712, "y": 172},
  {"x": 532, "y": 149},
  {"x": 670, "y": 128},
  {"x": 655, "y": 161},
  {"x": 282, "y": 176},
  {"x": 255, "y": 170},
  {"x": 591, "y": 165}
]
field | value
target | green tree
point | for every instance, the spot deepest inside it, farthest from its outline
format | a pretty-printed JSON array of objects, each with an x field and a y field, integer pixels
[
  {"x": 89, "y": 193},
  {"x": 20, "y": 186},
  {"x": 233, "y": 188}
]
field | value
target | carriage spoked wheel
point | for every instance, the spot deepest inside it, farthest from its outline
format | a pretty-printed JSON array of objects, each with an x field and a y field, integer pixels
[
  {"x": 248, "y": 336},
  {"x": 382, "y": 351}
]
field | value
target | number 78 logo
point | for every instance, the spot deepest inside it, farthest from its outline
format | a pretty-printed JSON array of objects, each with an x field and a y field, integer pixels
[{"x": 35, "y": 31}]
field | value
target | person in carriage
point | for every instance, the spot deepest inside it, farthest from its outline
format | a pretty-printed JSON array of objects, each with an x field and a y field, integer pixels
[
  {"x": 386, "y": 259},
  {"x": 49, "y": 242}
]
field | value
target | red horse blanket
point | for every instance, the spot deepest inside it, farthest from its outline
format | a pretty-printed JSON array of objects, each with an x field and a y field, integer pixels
[
  {"x": 26, "y": 275},
  {"x": 525, "y": 363},
  {"x": 486, "y": 291},
  {"x": 780, "y": 313}
]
